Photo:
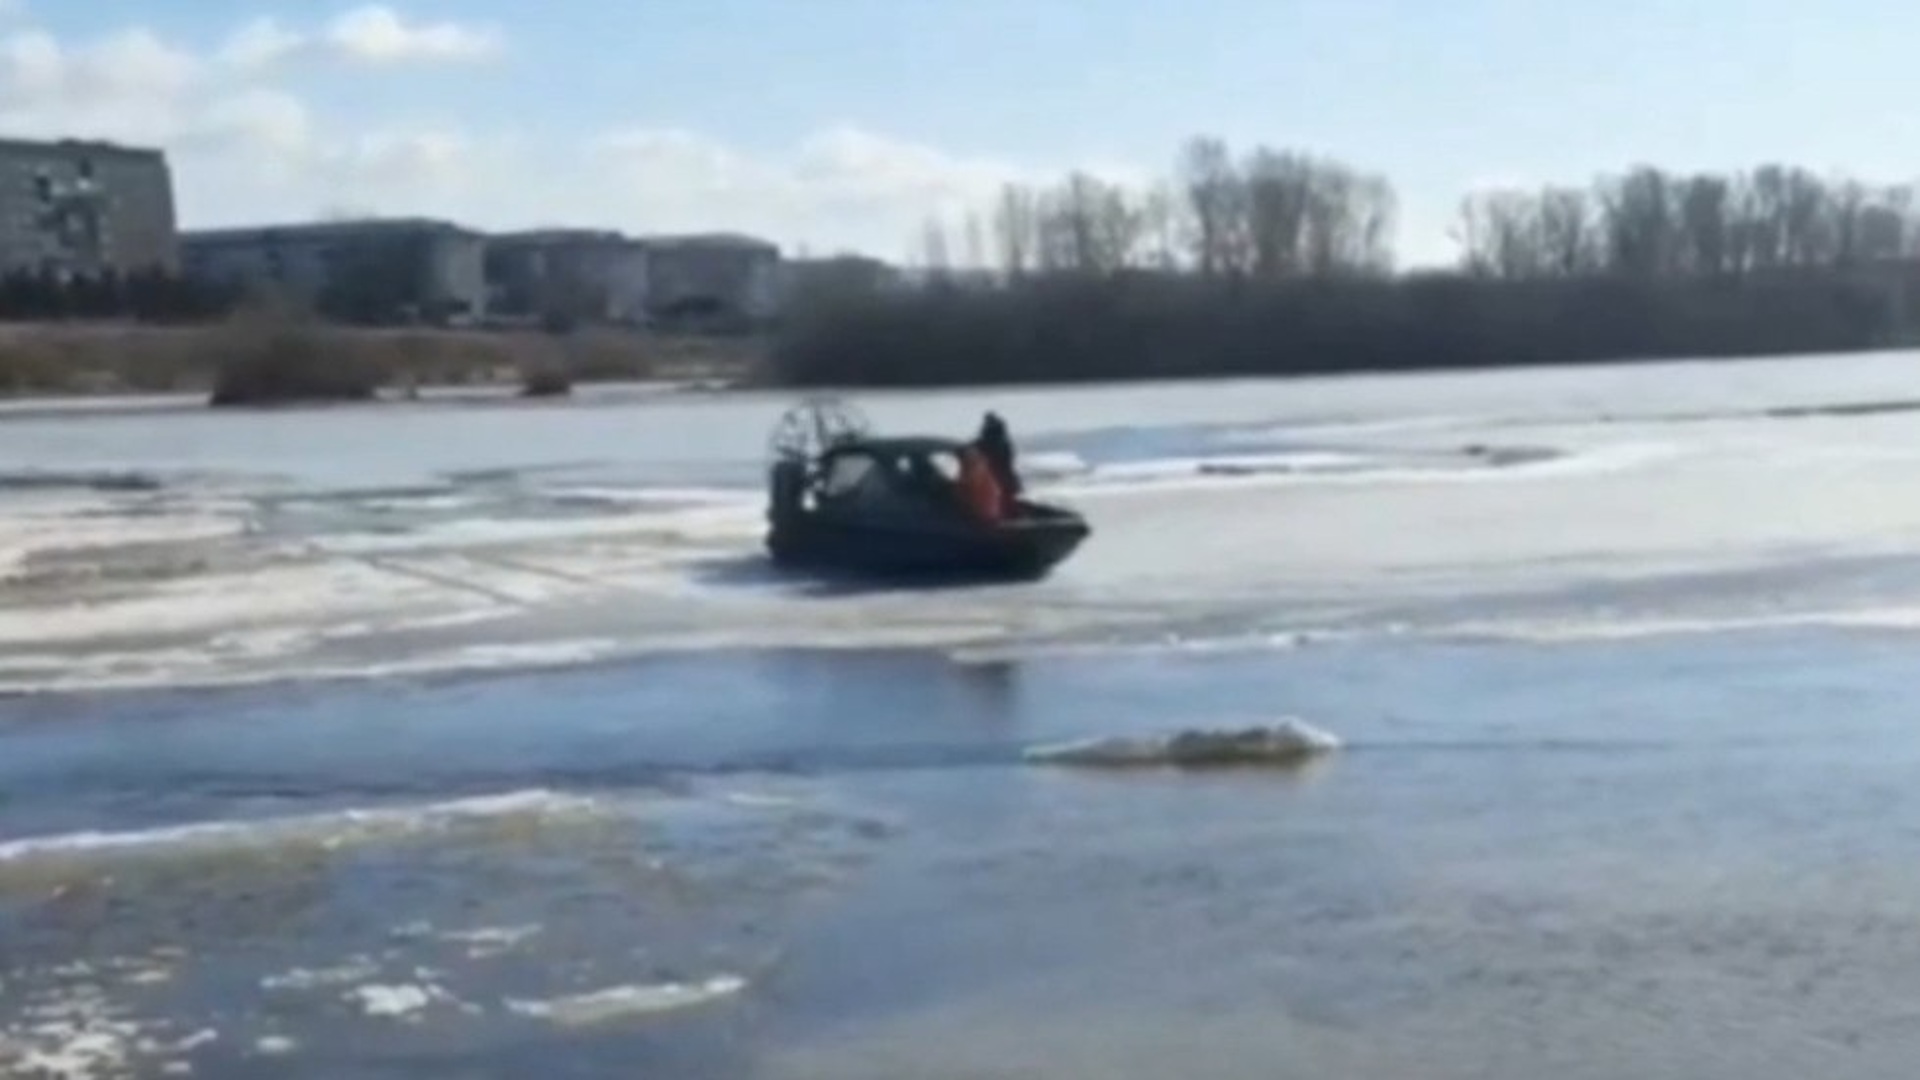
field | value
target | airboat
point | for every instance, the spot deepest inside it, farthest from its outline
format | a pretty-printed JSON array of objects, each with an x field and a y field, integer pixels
[{"x": 844, "y": 500}]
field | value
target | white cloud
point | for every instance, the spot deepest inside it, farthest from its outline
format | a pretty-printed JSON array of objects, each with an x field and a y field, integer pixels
[
  {"x": 34, "y": 66},
  {"x": 861, "y": 165},
  {"x": 268, "y": 123},
  {"x": 842, "y": 184},
  {"x": 379, "y": 35},
  {"x": 371, "y": 35},
  {"x": 247, "y": 148},
  {"x": 38, "y": 69},
  {"x": 273, "y": 163},
  {"x": 133, "y": 62},
  {"x": 435, "y": 162},
  {"x": 127, "y": 85},
  {"x": 261, "y": 44},
  {"x": 133, "y": 85}
]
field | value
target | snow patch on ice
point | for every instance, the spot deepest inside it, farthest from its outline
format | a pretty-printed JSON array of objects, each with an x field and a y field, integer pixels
[{"x": 632, "y": 1000}]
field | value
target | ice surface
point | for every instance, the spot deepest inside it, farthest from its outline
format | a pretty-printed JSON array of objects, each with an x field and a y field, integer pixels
[
  {"x": 361, "y": 543},
  {"x": 76, "y": 1032},
  {"x": 326, "y": 830},
  {"x": 400, "y": 1000}
]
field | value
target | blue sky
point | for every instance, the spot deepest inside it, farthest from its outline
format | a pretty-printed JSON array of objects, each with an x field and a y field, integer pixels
[{"x": 1440, "y": 96}]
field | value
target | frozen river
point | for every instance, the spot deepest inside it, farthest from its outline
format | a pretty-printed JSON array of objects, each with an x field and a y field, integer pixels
[
  {"x": 456, "y": 737},
  {"x": 171, "y": 547}
]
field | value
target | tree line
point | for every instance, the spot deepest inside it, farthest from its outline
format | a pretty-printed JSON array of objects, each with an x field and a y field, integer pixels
[
  {"x": 1268, "y": 215},
  {"x": 1275, "y": 261},
  {"x": 1651, "y": 223}
]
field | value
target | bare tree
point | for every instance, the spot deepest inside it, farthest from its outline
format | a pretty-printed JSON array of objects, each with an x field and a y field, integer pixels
[
  {"x": 1080, "y": 210},
  {"x": 1846, "y": 208},
  {"x": 1306, "y": 216},
  {"x": 1502, "y": 235},
  {"x": 1377, "y": 214},
  {"x": 1334, "y": 220},
  {"x": 1766, "y": 207},
  {"x": 1705, "y": 222},
  {"x": 1566, "y": 234},
  {"x": 1087, "y": 226},
  {"x": 1115, "y": 220},
  {"x": 1810, "y": 239},
  {"x": 933, "y": 248},
  {"x": 1217, "y": 198},
  {"x": 1883, "y": 228},
  {"x": 1639, "y": 214},
  {"x": 1160, "y": 228},
  {"x": 1016, "y": 229},
  {"x": 1058, "y": 237},
  {"x": 974, "y": 237},
  {"x": 1280, "y": 189}
]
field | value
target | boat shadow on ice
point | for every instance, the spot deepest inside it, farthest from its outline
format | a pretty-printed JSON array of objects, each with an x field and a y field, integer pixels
[
  {"x": 757, "y": 572},
  {"x": 101, "y": 480}
]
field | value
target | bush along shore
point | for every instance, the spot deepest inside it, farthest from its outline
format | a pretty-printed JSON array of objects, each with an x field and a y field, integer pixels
[
  {"x": 1278, "y": 263},
  {"x": 1157, "y": 327},
  {"x": 255, "y": 358}
]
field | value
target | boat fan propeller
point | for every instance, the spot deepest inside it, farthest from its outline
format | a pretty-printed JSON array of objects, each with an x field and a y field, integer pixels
[{"x": 808, "y": 429}]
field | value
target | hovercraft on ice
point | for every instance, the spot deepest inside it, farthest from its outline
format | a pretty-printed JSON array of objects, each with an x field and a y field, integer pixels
[{"x": 845, "y": 500}]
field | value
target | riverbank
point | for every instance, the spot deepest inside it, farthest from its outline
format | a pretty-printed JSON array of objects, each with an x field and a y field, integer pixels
[{"x": 101, "y": 359}]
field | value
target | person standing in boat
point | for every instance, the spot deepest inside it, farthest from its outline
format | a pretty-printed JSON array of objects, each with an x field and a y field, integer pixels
[
  {"x": 997, "y": 447},
  {"x": 980, "y": 492}
]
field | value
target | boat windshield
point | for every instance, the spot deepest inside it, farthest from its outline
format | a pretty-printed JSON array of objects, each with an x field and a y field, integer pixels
[
  {"x": 903, "y": 480},
  {"x": 846, "y": 475}
]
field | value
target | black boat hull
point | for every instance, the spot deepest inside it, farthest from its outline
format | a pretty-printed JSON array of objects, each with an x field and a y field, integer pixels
[{"x": 1024, "y": 548}]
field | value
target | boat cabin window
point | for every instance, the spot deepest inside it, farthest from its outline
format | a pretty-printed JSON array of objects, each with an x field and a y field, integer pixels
[
  {"x": 903, "y": 478},
  {"x": 846, "y": 474},
  {"x": 943, "y": 463},
  {"x": 924, "y": 475}
]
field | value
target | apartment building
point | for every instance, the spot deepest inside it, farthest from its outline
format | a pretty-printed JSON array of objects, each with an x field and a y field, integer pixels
[
  {"x": 377, "y": 270},
  {"x": 74, "y": 206}
]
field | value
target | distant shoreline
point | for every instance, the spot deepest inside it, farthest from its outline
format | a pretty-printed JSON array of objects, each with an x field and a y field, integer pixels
[
  {"x": 107, "y": 368},
  {"x": 495, "y": 395},
  {"x": 102, "y": 361}
]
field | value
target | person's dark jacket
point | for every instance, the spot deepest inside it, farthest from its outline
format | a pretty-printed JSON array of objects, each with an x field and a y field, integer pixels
[{"x": 997, "y": 447}]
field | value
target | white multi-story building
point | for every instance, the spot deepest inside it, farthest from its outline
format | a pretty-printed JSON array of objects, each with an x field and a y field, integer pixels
[
  {"x": 372, "y": 270},
  {"x": 587, "y": 274},
  {"x": 713, "y": 274},
  {"x": 83, "y": 207}
]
